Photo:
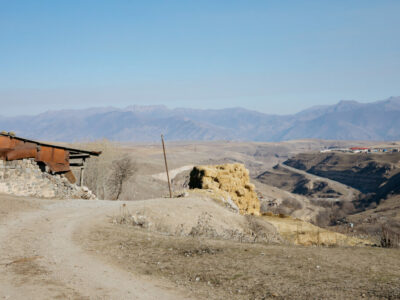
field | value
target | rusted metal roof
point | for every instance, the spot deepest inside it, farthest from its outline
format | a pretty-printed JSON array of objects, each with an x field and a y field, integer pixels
[
  {"x": 72, "y": 150},
  {"x": 55, "y": 157}
]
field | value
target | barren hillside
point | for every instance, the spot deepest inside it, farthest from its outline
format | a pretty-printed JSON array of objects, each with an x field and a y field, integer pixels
[
  {"x": 368, "y": 183},
  {"x": 378, "y": 174}
]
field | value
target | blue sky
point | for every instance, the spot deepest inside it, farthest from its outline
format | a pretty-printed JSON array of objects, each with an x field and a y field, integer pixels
[{"x": 272, "y": 56}]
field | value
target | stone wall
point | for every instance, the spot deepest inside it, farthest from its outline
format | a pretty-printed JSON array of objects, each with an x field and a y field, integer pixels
[{"x": 25, "y": 178}]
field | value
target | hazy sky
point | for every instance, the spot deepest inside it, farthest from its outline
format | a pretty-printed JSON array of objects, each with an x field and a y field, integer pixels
[{"x": 273, "y": 56}]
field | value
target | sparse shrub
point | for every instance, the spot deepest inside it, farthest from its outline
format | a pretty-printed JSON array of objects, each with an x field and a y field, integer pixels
[
  {"x": 287, "y": 207},
  {"x": 389, "y": 238},
  {"x": 122, "y": 170},
  {"x": 332, "y": 212},
  {"x": 98, "y": 169},
  {"x": 323, "y": 219},
  {"x": 260, "y": 230},
  {"x": 292, "y": 204}
]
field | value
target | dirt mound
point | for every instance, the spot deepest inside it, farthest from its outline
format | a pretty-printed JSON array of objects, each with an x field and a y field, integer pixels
[
  {"x": 196, "y": 216},
  {"x": 231, "y": 181},
  {"x": 199, "y": 216}
]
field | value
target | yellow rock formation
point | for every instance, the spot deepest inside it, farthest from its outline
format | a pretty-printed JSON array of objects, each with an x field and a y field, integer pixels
[{"x": 231, "y": 181}]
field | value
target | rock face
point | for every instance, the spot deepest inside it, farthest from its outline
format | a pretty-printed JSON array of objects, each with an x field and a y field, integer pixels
[
  {"x": 231, "y": 182},
  {"x": 25, "y": 178}
]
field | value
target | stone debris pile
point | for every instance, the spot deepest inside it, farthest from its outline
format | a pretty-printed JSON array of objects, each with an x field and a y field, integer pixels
[
  {"x": 25, "y": 178},
  {"x": 231, "y": 182}
]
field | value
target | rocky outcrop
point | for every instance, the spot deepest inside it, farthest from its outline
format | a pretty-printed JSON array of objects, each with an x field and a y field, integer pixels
[
  {"x": 231, "y": 182},
  {"x": 25, "y": 178}
]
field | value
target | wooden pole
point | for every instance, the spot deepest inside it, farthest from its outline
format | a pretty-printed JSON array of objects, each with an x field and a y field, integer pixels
[
  {"x": 82, "y": 172},
  {"x": 166, "y": 166}
]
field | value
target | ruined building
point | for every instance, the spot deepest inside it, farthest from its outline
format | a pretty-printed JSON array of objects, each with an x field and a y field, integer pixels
[{"x": 32, "y": 168}]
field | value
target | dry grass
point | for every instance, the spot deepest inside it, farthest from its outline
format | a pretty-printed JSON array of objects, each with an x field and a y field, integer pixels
[{"x": 217, "y": 269}]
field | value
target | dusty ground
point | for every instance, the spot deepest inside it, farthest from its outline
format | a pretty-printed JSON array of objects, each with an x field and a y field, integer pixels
[
  {"x": 217, "y": 269},
  {"x": 75, "y": 250},
  {"x": 10, "y": 205},
  {"x": 40, "y": 260}
]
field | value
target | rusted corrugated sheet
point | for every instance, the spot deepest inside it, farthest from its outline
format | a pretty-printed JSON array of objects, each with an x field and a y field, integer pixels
[
  {"x": 56, "y": 159},
  {"x": 54, "y": 156},
  {"x": 13, "y": 149}
]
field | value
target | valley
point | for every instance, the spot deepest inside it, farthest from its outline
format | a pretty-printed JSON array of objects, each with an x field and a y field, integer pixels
[{"x": 317, "y": 228}]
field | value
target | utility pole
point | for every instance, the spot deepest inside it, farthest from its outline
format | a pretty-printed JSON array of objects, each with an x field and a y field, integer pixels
[{"x": 166, "y": 166}]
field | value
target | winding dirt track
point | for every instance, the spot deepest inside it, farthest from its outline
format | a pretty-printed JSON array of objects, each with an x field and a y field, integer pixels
[
  {"x": 39, "y": 258},
  {"x": 348, "y": 193}
]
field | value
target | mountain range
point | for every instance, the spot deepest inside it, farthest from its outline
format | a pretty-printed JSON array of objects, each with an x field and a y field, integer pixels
[{"x": 346, "y": 120}]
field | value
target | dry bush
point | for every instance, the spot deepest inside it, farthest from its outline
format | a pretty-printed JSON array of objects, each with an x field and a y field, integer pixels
[
  {"x": 287, "y": 207},
  {"x": 122, "y": 170},
  {"x": 389, "y": 238},
  {"x": 333, "y": 211},
  {"x": 262, "y": 231},
  {"x": 323, "y": 219},
  {"x": 127, "y": 218},
  {"x": 98, "y": 169}
]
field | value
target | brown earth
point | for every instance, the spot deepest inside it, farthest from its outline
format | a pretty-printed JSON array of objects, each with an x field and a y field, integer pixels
[
  {"x": 10, "y": 205},
  {"x": 218, "y": 269},
  {"x": 40, "y": 260},
  {"x": 80, "y": 249}
]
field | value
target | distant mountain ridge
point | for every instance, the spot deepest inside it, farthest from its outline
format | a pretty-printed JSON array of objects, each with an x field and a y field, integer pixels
[{"x": 346, "y": 120}]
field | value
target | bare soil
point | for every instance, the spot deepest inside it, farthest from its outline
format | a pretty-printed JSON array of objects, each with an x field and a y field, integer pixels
[
  {"x": 74, "y": 250},
  {"x": 40, "y": 260},
  {"x": 11, "y": 204},
  {"x": 218, "y": 269}
]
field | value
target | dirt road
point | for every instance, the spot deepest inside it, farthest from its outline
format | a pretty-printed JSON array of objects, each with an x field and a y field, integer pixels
[
  {"x": 348, "y": 193},
  {"x": 39, "y": 258}
]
